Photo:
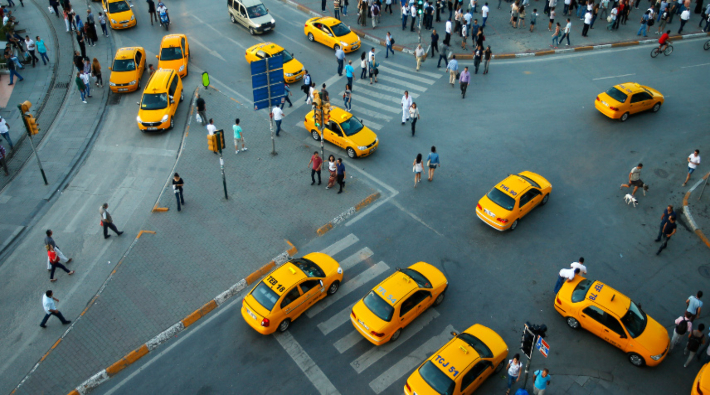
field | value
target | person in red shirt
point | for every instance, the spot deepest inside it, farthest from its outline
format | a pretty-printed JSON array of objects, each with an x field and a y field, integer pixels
[
  {"x": 54, "y": 261},
  {"x": 663, "y": 41},
  {"x": 316, "y": 162}
]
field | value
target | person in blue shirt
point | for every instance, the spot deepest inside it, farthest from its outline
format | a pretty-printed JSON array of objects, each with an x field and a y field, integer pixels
[
  {"x": 340, "y": 168},
  {"x": 541, "y": 378},
  {"x": 287, "y": 93},
  {"x": 433, "y": 162},
  {"x": 349, "y": 70}
]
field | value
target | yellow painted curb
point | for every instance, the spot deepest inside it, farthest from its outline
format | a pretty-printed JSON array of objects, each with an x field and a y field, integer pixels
[
  {"x": 368, "y": 200},
  {"x": 504, "y": 56},
  {"x": 159, "y": 209},
  {"x": 625, "y": 44},
  {"x": 585, "y": 48},
  {"x": 197, "y": 314},
  {"x": 257, "y": 274},
  {"x": 324, "y": 229},
  {"x": 124, "y": 362},
  {"x": 75, "y": 392},
  {"x": 548, "y": 52},
  {"x": 144, "y": 231},
  {"x": 293, "y": 250}
]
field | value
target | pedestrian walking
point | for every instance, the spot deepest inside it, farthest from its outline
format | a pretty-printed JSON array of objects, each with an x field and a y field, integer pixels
[
  {"x": 634, "y": 179},
  {"x": 448, "y": 27},
  {"x": 363, "y": 66},
  {"x": 552, "y": 20},
  {"x": 644, "y": 24},
  {"x": 696, "y": 338},
  {"x": 287, "y": 93},
  {"x": 55, "y": 9},
  {"x": 587, "y": 23},
  {"x": 513, "y": 367},
  {"x": 48, "y": 240},
  {"x": 541, "y": 379},
  {"x": 345, "y": 5},
  {"x": 42, "y": 49},
  {"x": 464, "y": 35},
  {"x": 579, "y": 265},
  {"x": 238, "y": 137},
  {"x": 81, "y": 86},
  {"x": 372, "y": 67},
  {"x": 434, "y": 42},
  {"x": 177, "y": 189},
  {"x": 201, "y": 109},
  {"x": 3, "y": 161},
  {"x": 667, "y": 213},
  {"x": 31, "y": 48},
  {"x": 340, "y": 168},
  {"x": 80, "y": 41},
  {"x": 151, "y": 11},
  {"x": 487, "y": 54},
  {"x": 533, "y": 20},
  {"x": 54, "y": 263},
  {"x": 315, "y": 164},
  {"x": 107, "y": 221},
  {"x": 348, "y": 98},
  {"x": 484, "y": 14},
  {"x": 480, "y": 37},
  {"x": 389, "y": 41},
  {"x": 565, "y": 275},
  {"x": 417, "y": 168},
  {"x": 336, "y": 9},
  {"x": 419, "y": 55},
  {"x": 91, "y": 26},
  {"x": 668, "y": 230},
  {"x": 432, "y": 162},
  {"x": 96, "y": 72},
  {"x": 443, "y": 55},
  {"x": 85, "y": 77},
  {"x": 405, "y": 12},
  {"x": 693, "y": 162},
  {"x": 11, "y": 68},
  {"x": 66, "y": 19},
  {"x": 211, "y": 128},
  {"x": 464, "y": 80},
  {"x": 477, "y": 56},
  {"x": 406, "y": 103},
  {"x": 474, "y": 31},
  {"x": 414, "y": 116},
  {"x": 340, "y": 57},
  {"x": 278, "y": 115},
  {"x": 322, "y": 5},
  {"x": 349, "y": 73},
  {"x": 566, "y": 34},
  {"x": 50, "y": 309},
  {"x": 683, "y": 325},
  {"x": 375, "y": 11},
  {"x": 5, "y": 132},
  {"x": 694, "y": 305},
  {"x": 684, "y": 17},
  {"x": 102, "y": 22},
  {"x": 453, "y": 68},
  {"x": 333, "y": 170}
]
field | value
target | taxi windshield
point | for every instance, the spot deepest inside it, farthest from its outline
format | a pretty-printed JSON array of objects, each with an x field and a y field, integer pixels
[
  {"x": 421, "y": 281},
  {"x": 265, "y": 296},
  {"x": 580, "y": 291},
  {"x": 437, "y": 379},
  {"x": 123, "y": 65},
  {"x": 498, "y": 197},
  {"x": 172, "y": 53},
  {"x": 617, "y": 95},
  {"x": 256, "y": 11},
  {"x": 533, "y": 183},
  {"x": 480, "y": 347},
  {"x": 378, "y": 306},
  {"x": 154, "y": 101},
  {"x": 287, "y": 56},
  {"x": 634, "y": 320},
  {"x": 340, "y": 30},
  {"x": 308, "y": 267},
  {"x": 118, "y": 6},
  {"x": 351, "y": 126}
]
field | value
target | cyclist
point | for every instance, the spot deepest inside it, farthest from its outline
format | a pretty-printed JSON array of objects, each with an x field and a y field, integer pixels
[{"x": 663, "y": 42}]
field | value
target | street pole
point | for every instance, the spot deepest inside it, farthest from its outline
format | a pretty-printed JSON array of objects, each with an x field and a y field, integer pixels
[
  {"x": 527, "y": 365},
  {"x": 271, "y": 116},
  {"x": 220, "y": 134},
  {"x": 703, "y": 190},
  {"x": 32, "y": 144},
  {"x": 419, "y": 29}
]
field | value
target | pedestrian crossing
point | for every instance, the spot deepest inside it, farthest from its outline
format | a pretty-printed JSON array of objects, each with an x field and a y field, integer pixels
[
  {"x": 380, "y": 103},
  {"x": 333, "y": 313}
]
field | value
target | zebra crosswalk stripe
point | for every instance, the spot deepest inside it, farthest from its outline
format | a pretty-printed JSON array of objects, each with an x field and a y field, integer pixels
[
  {"x": 340, "y": 245},
  {"x": 408, "y": 86},
  {"x": 349, "y": 340},
  {"x": 378, "y": 105},
  {"x": 376, "y": 95},
  {"x": 410, "y": 69},
  {"x": 369, "y": 113},
  {"x": 409, "y": 75},
  {"x": 356, "y": 258},
  {"x": 336, "y": 320},
  {"x": 384, "y": 88},
  {"x": 306, "y": 364}
]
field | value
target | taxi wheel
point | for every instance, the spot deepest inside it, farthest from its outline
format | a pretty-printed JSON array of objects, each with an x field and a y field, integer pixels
[
  {"x": 439, "y": 299},
  {"x": 310, "y": 37},
  {"x": 499, "y": 367},
  {"x": 232, "y": 18},
  {"x": 172, "y": 123},
  {"x": 514, "y": 225},
  {"x": 315, "y": 135},
  {"x": 251, "y": 31},
  {"x": 572, "y": 323},
  {"x": 351, "y": 153},
  {"x": 395, "y": 335},
  {"x": 624, "y": 117},
  {"x": 284, "y": 325},
  {"x": 636, "y": 360},
  {"x": 334, "y": 287},
  {"x": 545, "y": 199},
  {"x": 182, "y": 96},
  {"x": 656, "y": 107},
  {"x": 187, "y": 71}
]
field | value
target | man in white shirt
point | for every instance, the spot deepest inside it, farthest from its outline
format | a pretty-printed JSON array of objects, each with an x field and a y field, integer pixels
[
  {"x": 51, "y": 309},
  {"x": 579, "y": 265},
  {"x": 413, "y": 14},
  {"x": 684, "y": 17},
  {"x": 31, "y": 47},
  {"x": 406, "y": 103},
  {"x": 5, "y": 131},
  {"x": 418, "y": 54},
  {"x": 565, "y": 275},
  {"x": 587, "y": 23},
  {"x": 568, "y": 27},
  {"x": 484, "y": 14},
  {"x": 693, "y": 162},
  {"x": 278, "y": 115},
  {"x": 447, "y": 39},
  {"x": 211, "y": 128}
]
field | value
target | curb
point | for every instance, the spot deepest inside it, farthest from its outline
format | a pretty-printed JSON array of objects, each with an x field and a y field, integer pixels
[
  {"x": 381, "y": 42},
  {"x": 135, "y": 355},
  {"x": 347, "y": 213},
  {"x": 689, "y": 216}
]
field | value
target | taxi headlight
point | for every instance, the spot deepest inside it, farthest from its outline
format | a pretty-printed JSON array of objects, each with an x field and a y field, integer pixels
[
  {"x": 343, "y": 43},
  {"x": 290, "y": 74},
  {"x": 273, "y": 20},
  {"x": 164, "y": 118},
  {"x": 113, "y": 21},
  {"x": 138, "y": 119},
  {"x": 181, "y": 68},
  {"x": 133, "y": 82},
  {"x": 361, "y": 147},
  {"x": 111, "y": 84},
  {"x": 340, "y": 270},
  {"x": 657, "y": 357}
]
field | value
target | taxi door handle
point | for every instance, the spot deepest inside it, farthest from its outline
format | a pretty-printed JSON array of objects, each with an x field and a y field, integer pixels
[{"x": 288, "y": 310}]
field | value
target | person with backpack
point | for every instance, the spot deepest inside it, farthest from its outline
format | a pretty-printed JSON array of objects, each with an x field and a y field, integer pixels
[
  {"x": 696, "y": 338},
  {"x": 683, "y": 325}
]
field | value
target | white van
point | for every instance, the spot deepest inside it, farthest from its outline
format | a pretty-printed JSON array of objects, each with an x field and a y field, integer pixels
[{"x": 251, "y": 14}]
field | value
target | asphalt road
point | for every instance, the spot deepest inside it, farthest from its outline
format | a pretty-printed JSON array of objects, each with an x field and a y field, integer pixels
[{"x": 536, "y": 115}]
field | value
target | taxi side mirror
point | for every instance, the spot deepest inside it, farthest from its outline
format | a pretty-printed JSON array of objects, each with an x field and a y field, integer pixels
[
  {"x": 157, "y": 57},
  {"x": 454, "y": 334},
  {"x": 110, "y": 68},
  {"x": 321, "y": 282}
]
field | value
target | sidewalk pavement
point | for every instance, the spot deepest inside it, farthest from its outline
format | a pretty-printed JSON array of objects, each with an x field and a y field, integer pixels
[
  {"x": 695, "y": 207},
  {"x": 499, "y": 33},
  {"x": 201, "y": 251},
  {"x": 67, "y": 125}
]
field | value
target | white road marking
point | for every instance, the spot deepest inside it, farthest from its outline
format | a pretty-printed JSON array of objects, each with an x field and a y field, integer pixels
[
  {"x": 697, "y": 65},
  {"x": 411, "y": 361},
  {"x": 340, "y": 245},
  {"x": 299, "y": 101},
  {"x": 413, "y": 69},
  {"x": 613, "y": 76},
  {"x": 348, "y": 341},
  {"x": 153, "y": 152},
  {"x": 409, "y": 86},
  {"x": 203, "y": 23},
  {"x": 208, "y": 49},
  {"x": 384, "y": 88},
  {"x": 304, "y": 361},
  {"x": 378, "y": 105},
  {"x": 348, "y": 287},
  {"x": 376, "y": 353},
  {"x": 399, "y": 206},
  {"x": 336, "y": 320},
  {"x": 356, "y": 258},
  {"x": 375, "y": 95},
  {"x": 369, "y": 113},
  {"x": 409, "y": 75}
]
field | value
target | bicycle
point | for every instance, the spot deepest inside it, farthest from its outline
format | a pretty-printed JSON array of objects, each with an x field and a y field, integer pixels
[
  {"x": 657, "y": 50},
  {"x": 707, "y": 45}
]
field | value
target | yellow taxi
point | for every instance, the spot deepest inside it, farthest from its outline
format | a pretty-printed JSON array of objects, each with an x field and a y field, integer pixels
[
  {"x": 127, "y": 69},
  {"x": 345, "y": 131},
  {"x": 288, "y": 291},
  {"x": 158, "y": 104},
  {"x": 701, "y": 385},
  {"x": 174, "y": 53},
  {"x": 331, "y": 33},
  {"x": 393, "y": 304},
  {"x": 119, "y": 14},
  {"x": 615, "y": 318},
  {"x": 512, "y": 199},
  {"x": 622, "y": 100},
  {"x": 461, "y": 365},
  {"x": 293, "y": 69}
]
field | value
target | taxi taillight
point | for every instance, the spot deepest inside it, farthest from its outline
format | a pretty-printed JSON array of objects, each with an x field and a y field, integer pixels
[
  {"x": 503, "y": 220},
  {"x": 265, "y": 322},
  {"x": 406, "y": 384},
  {"x": 613, "y": 108},
  {"x": 377, "y": 334},
  {"x": 558, "y": 300},
  {"x": 353, "y": 313},
  {"x": 598, "y": 99},
  {"x": 697, "y": 388},
  {"x": 478, "y": 206}
]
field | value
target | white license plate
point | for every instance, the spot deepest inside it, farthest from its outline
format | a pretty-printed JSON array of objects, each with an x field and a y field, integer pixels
[
  {"x": 123, "y": 89},
  {"x": 605, "y": 103},
  {"x": 373, "y": 149},
  {"x": 125, "y": 25},
  {"x": 489, "y": 212},
  {"x": 267, "y": 29},
  {"x": 356, "y": 46},
  {"x": 151, "y": 128},
  {"x": 363, "y": 324},
  {"x": 251, "y": 314}
]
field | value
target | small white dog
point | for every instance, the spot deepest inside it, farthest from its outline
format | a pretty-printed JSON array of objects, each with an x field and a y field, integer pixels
[{"x": 629, "y": 199}]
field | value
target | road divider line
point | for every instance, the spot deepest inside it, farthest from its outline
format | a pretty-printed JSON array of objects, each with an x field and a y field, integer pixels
[
  {"x": 348, "y": 213},
  {"x": 697, "y": 65},
  {"x": 613, "y": 76},
  {"x": 306, "y": 364}
]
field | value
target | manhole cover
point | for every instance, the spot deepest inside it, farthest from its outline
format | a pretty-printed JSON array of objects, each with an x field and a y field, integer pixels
[
  {"x": 660, "y": 173},
  {"x": 61, "y": 85},
  {"x": 113, "y": 99},
  {"x": 704, "y": 271}
]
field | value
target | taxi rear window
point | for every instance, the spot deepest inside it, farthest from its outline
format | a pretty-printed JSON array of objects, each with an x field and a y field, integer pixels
[
  {"x": 437, "y": 379},
  {"x": 580, "y": 291},
  {"x": 480, "y": 347},
  {"x": 265, "y": 296},
  {"x": 617, "y": 95},
  {"x": 501, "y": 199},
  {"x": 378, "y": 306},
  {"x": 418, "y": 278},
  {"x": 309, "y": 267}
]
